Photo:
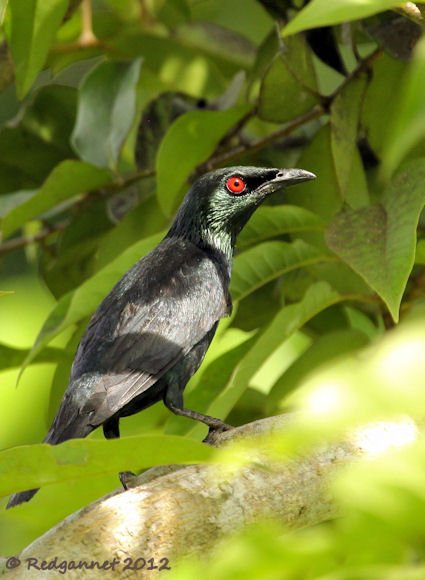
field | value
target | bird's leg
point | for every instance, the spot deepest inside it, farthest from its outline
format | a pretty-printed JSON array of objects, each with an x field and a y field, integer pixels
[
  {"x": 173, "y": 399},
  {"x": 125, "y": 477},
  {"x": 213, "y": 423},
  {"x": 111, "y": 430}
]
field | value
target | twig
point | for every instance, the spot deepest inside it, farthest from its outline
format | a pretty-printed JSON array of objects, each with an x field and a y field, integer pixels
[
  {"x": 236, "y": 129},
  {"x": 223, "y": 157},
  {"x": 244, "y": 148},
  {"x": 116, "y": 186},
  {"x": 87, "y": 36},
  {"x": 21, "y": 242},
  {"x": 363, "y": 66}
]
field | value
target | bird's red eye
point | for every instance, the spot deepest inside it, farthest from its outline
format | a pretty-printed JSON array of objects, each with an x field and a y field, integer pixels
[{"x": 235, "y": 184}]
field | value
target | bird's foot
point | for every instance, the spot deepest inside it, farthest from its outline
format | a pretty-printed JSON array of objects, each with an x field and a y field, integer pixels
[
  {"x": 125, "y": 477},
  {"x": 215, "y": 429}
]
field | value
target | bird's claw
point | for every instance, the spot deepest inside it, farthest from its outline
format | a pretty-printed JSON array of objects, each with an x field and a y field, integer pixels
[
  {"x": 214, "y": 430},
  {"x": 125, "y": 477}
]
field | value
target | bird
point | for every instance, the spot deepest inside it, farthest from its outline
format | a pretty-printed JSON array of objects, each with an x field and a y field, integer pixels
[{"x": 151, "y": 332}]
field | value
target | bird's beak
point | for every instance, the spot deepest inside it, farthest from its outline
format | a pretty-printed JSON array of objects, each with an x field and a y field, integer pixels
[{"x": 285, "y": 178}]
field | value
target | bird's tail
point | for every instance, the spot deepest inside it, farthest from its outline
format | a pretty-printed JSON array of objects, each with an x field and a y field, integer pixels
[{"x": 57, "y": 434}]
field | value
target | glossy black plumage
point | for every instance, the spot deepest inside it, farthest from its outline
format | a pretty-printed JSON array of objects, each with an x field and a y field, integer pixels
[{"x": 151, "y": 333}]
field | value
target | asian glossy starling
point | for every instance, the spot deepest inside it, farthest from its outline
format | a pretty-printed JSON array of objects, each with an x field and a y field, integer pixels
[{"x": 150, "y": 334}]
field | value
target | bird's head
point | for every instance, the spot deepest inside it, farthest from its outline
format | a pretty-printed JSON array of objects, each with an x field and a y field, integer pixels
[{"x": 220, "y": 203}]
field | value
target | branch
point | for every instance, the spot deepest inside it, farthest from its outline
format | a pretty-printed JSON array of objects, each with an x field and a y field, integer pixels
[
  {"x": 87, "y": 36},
  {"x": 109, "y": 190},
  {"x": 223, "y": 157},
  {"x": 252, "y": 147},
  {"x": 23, "y": 241},
  {"x": 176, "y": 511}
]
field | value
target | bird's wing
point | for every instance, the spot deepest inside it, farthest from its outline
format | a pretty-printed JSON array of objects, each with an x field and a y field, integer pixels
[{"x": 156, "y": 321}]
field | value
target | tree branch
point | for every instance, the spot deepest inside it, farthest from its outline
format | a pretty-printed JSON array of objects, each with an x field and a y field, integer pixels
[
  {"x": 253, "y": 146},
  {"x": 176, "y": 511},
  {"x": 23, "y": 241}
]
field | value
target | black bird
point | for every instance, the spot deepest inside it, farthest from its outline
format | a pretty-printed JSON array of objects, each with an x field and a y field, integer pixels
[{"x": 150, "y": 334}]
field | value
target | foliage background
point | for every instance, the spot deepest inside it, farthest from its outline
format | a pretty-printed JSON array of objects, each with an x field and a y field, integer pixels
[{"x": 108, "y": 111}]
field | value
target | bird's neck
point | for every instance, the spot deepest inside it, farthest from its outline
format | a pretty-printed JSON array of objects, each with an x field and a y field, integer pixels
[
  {"x": 219, "y": 241},
  {"x": 212, "y": 239}
]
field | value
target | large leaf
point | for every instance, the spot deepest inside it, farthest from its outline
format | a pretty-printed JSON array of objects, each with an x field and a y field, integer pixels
[
  {"x": 290, "y": 319},
  {"x": 11, "y": 357},
  {"x": 323, "y": 195},
  {"x": 78, "y": 305},
  {"x": 327, "y": 12},
  {"x": 25, "y": 159},
  {"x": 67, "y": 180},
  {"x": 288, "y": 88},
  {"x": 326, "y": 348},
  {"x": 345, "y": 112},
  {"x": 267, "y": 261},
  {"x": 217, "y": 40},
  {"x": 145, "y": 220},
  {"x": 34, "y": 24},
  {"x": 11, "y": 200},
  {"x": 191, "y": 139},
  {"x": 106, "y": 109},
  {"x": 378, "y": 109},
  {"x": 3, "y": 6},
  {"x": 270, "y": 221},
  {"x": 379, "y": 241},
  {"x": 408, "y": 126},
  {"x": 31, "y": 466}
]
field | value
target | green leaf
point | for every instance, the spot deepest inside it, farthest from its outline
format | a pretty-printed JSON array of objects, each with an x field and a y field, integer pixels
[
  {"x": 218, "y": 41},
  {"x": 25, "y": 159},
  {"x": 270, "y": 221},
  {"x": 288, "y": 87},
  {"x": 34, "y": 24},
  {"x": 171, "y": 12},
  {"x": 420, "y": 253},
  {"x": 379, "y": 241},
  {"x": 106, "y": 110},
  {"x": 378, "y": 109},
  {"x": 82, "y": 302},
  {"x": 145, "y": 220},
  {"x": 267, "y": 261},
  {"x": 32, "y": 466},
  {"x": 328, "y": 12},
  {"x": 323, "y": 195},
  {"x": 290, "y": 319},
  {"x": 11, "y": 200},
  {"x": 408, "y": 125},
  {"x": 191, "y": 139},
  {"x": 11, "y": 357},
  {"x": 345, "y": 112},
  {"x": 326, "y": 348},
  {"x": 67, "y": 180},
  {"x": 3, "y": 6}
]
